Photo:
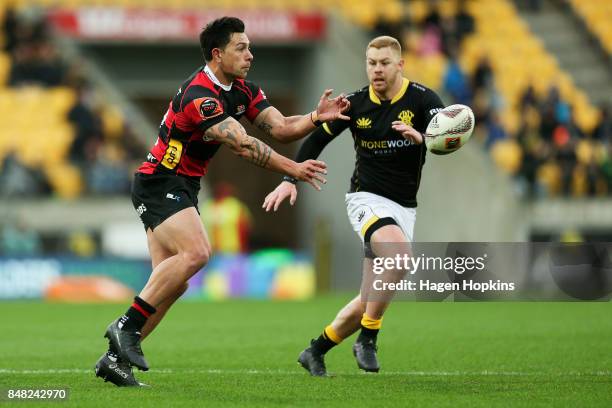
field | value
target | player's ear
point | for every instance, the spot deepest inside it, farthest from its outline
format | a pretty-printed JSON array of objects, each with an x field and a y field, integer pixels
[
  {"x": 216, "y": 53},
  {"x": 401, "y": 63}
]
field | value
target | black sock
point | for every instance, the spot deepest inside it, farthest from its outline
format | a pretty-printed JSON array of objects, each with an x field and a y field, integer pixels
[
  {"x": 322, "y": 344},
  {"x": 136, "y": 316},
  {"x": 367, "y": 335}
]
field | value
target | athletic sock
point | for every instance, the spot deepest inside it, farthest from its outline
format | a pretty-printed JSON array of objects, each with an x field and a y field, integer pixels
[
  {"x": 136, "y": 316},
  {"x": 326, "y": 341},
  {"x": 369, "y": 329}
]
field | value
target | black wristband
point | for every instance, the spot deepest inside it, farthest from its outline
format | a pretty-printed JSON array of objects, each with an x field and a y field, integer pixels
[
  {"x": 290, "y": 179},
  {"x": 317, "y": 122}
]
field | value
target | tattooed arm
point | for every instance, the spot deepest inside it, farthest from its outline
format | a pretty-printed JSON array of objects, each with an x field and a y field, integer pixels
[
  {"x": 289, "y": 128},
  {"x": 232, "y": 134}
]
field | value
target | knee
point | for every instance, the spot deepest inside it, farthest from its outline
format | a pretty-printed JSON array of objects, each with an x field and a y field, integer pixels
[{"x": 196, "y": 258}]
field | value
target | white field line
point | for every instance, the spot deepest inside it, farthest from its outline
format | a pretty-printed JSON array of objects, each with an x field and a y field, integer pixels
[{"x": 484, "y": 373}]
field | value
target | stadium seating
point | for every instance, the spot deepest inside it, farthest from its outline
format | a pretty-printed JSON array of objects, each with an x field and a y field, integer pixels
[
  {"x": 597, "y": 14},
  {"x": 511, "y": 45}
]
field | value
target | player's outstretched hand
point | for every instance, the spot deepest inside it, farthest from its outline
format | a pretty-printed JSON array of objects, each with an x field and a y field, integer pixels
[
  {"x": 280, "y": 193},
  {"x": 332, "y": 109},
  {"x": 311, "y": 171},
  {"x": 407, "y": 131}
]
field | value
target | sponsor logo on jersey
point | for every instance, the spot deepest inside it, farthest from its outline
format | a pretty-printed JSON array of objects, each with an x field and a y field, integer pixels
[
  {"x": 209, "y": 107},
  {"x": 384, "y": 144},
  {"x": 173, "y": 197},
  {"x": 173, "y": 154},
  {"x": 434, "y": 111},
  {"x": 240, "y": 110},
  {"x": 151, "y": 158},
  {"x": 417, "y": 86},
  {"x": 406, "y": 117},
  {"x": 364, "y": 123}
]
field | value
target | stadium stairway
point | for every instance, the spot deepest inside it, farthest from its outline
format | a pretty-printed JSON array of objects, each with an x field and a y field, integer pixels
[{"x": 563, "y": 36}]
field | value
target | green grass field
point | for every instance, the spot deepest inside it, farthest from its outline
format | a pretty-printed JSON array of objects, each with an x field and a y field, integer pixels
[{"x": 243, "y": 353}]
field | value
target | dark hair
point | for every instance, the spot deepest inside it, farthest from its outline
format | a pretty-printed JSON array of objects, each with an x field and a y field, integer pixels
[{"x": 218, "y": 33}]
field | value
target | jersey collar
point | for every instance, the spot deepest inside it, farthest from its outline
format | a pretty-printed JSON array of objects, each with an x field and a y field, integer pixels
[
  {"x": 374, "y": 98},
  {"x": 213, "y": 78}
]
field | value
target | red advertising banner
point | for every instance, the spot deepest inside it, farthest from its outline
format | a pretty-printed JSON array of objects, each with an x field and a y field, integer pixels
[{"x": 107, "y": 23}]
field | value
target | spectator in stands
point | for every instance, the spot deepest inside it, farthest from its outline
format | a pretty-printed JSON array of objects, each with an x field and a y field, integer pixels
[
  {"x": 88, "y": 128},
  {"x": 464, "y": 22},
  {"x": 482, "y": 79},
  {"x": 18, "y": 180},
  {"x": 529, "y": 99},
  {"x": 36, "y": 63},
  {"x": 397, "y": 28},
  {"x": 456, "y": 83},
  {"x": 495, "y": 131},
  {"x": 109, "y": 174},
  {"x": 548, "y": 123},
  {"x": 10, "y": 29},
  {"x": 603, "y": 129},
  {"x": 17, "y": 239},
  {"x": 433, "y": 17}
]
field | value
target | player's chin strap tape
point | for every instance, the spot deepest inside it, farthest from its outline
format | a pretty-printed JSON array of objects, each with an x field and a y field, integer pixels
[{"x": 371, "y": 229}]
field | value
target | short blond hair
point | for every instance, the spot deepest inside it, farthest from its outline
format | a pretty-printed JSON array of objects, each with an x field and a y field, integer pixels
[{"x": 385, "y": 41}]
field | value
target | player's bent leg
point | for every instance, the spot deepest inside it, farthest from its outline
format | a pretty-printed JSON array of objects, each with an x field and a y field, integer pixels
[
  {"x": 159, "y": 254},
  {"x": 156, "y": 318},
  {"x": 183, "y": 235},
  {"x": 348, "y": 319},
  {"x": 111, "y": 367},
  {"x": 385, "y": 241}
]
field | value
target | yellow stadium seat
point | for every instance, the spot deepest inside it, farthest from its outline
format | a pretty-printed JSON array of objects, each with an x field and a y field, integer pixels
[
  {"x": 65, "y": 180},
  {"x": 508, "y": 156}
]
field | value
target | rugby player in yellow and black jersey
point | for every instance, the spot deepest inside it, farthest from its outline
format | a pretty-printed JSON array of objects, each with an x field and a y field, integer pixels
[{"x": 387, "y": 121}]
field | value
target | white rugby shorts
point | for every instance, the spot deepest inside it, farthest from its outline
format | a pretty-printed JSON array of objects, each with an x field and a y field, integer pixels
[{"x": 364, "y": 209}]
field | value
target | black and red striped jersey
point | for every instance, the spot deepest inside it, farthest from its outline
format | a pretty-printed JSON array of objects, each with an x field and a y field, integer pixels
[{"x": 199, "y": 104}]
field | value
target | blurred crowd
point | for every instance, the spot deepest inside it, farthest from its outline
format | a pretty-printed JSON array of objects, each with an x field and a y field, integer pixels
[
  {"x": 549, "y": 155},
  {"x": 102, "y": 152}
]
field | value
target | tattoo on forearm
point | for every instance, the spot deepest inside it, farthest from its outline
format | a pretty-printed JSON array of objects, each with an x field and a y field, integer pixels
[
  {"x": 266, "y": 128},
  {"x": 252, "y": 149},
  {"x": 227, "y": 129},
  {"x": 258, "y": 152}
]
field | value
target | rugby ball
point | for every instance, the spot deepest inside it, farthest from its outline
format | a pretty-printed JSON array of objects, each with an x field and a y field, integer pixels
[{"x": 450, "y": 129}]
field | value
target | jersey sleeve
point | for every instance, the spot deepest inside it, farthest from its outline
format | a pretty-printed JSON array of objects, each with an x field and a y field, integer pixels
[
  {"x": 201, "y": 108},
  {"x": 313, "y": 145},
  {"x": 432, "y": 104},
  {"x": 259, "y": 102}
]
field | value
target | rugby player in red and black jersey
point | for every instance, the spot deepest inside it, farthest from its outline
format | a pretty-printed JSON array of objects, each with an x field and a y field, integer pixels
[
  {"x": 388, "y": 120},
  {"x": 201, "y": 117}
]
